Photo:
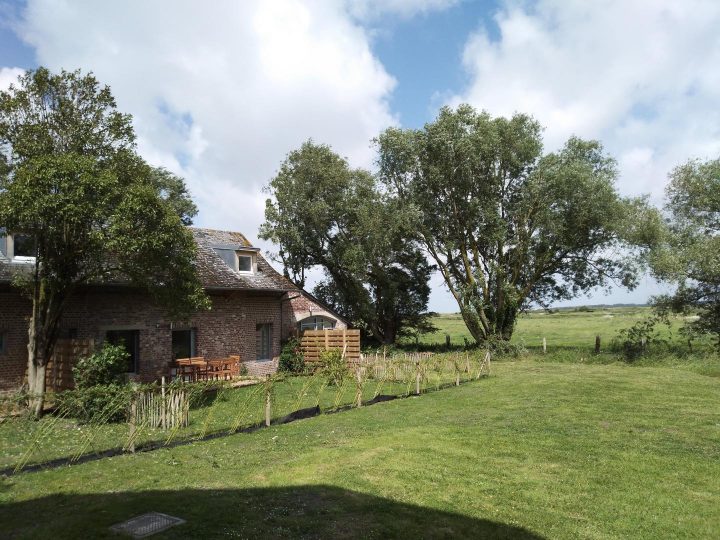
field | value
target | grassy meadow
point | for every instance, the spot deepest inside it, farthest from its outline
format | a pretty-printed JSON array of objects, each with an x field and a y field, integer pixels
[
  {"x": 563, "y": 445},
  {"x": 569, "y": 327}
]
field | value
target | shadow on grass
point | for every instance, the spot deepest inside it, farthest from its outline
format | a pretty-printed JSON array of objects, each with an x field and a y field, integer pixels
[{"x": 314, "y": 511}]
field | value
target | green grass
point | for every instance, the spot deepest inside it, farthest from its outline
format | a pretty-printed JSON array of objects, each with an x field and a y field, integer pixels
[
  {"x": 561, "y": 328},
  {"x": 570, "y": 337},
  {"x": 538, "y": 450},
  {"x": 31, "y": 442}
]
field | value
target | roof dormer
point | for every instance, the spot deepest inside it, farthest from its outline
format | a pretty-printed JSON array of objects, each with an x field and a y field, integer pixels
[
  {"x": 18, "y": 247},
  {"x": 240, "y": 259}
]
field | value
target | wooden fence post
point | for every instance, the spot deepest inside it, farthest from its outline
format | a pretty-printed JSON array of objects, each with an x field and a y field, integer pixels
[
  {"x": 358, "y": 393},
  {"x": 544, "y": 345},
  {"x": 417, "y": 377},
  {"x": 457, "y": 371},
  {"x": 267, "y": 400},
  {"x": 164, "y": 405},
  {"x": 447, "y": 340},
  {"x": 597, "y": 344},
  {"x": 133, "y": 427}
]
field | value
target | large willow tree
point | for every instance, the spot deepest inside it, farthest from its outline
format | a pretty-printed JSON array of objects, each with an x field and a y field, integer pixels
[
  {"x": 690, "y": 254},
  {"x": 71, "y": 180},
  {"x": 327, "y": 215},
  {"x": 506, "y": 225}
]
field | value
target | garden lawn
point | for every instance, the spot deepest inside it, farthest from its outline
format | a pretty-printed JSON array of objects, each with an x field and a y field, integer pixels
[{"x": 539, "y": 450}]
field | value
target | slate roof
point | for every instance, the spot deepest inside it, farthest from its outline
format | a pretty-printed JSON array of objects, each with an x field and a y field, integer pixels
[{"x": 214, "y": 273}]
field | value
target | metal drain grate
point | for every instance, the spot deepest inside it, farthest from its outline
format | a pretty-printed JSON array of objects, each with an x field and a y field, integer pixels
[{"x": 146, "y": 524}]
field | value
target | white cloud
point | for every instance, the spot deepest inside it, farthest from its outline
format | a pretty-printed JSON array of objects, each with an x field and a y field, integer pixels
[
  {"x": 8, "y": 76},
  {"x": 640, "y": 76},
  {"x": 221, "y": 91}
]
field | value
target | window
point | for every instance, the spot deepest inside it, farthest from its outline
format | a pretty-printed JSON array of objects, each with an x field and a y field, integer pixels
[
  {"x": 183, "y": 343},
  {"x": 245, "y": 263},
  {"x": 130, "y": 339},
  {"x": 264, "y": 341},
  {"x": 23, "y": 245},
  {"x": 316, "y": 323}
]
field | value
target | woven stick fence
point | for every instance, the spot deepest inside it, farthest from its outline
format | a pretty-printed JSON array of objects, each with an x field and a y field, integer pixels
[{"x": 162, "y": 408}]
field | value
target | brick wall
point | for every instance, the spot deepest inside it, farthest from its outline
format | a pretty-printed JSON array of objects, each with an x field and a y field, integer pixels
[
  {"x": 14, "y": 313},
  {"x": 229, "y": 328}
]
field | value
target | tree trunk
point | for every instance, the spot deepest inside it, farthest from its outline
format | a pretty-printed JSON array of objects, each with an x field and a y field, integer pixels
[
  {"x": 37, "y": 390},
  {"x": 473, "y": 324},
  {"x": 42, "y": 334},
  {"x": 36, "y": 366}
]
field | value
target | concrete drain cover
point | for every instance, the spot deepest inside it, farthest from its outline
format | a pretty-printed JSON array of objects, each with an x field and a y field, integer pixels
[{"x": 146, "y": 524}]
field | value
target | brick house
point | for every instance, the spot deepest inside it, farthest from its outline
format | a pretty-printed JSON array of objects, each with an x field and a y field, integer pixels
[{"x": 254, "y": 308}]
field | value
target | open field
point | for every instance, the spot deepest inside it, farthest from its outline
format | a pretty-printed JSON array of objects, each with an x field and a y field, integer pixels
[
  {"x": 570, "y": 335},
  {"x": 562, "y": 328},
  {"x": 539, "y": 450}
]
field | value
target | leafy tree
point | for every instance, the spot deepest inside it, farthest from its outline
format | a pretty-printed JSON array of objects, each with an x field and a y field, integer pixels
[
  {"x": 72, "y": 181},
  {"x": 326, "y": 214},
  {"x": 690, "y": 254},
  {"x": 506, "y": 225},
  {"x": 172, "y": 189}
]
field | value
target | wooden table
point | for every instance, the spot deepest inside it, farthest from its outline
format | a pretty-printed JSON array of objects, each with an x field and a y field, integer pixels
[{"x": 215, "y": 369}]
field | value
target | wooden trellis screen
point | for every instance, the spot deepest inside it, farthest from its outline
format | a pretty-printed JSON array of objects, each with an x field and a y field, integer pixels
[
  {"x": 58, "y": 373},
  {"x": 313, "y": 342}
]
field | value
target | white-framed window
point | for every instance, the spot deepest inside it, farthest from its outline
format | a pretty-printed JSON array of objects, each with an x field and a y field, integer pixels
[
  {"x": 20, "y": 248},
  {"x": 245, "y": 262},
  {"x": 317, "y": 323}
]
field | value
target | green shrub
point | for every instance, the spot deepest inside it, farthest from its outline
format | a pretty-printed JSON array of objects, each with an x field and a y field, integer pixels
[
  {"x": 100, "y": 404},
  {"x": 105, "y": 367},
  {"x": 292, "y": 359},
  {"x": 333, "y": 366},
  {"x": 633, "y": 342},
  {"x": 503, "y": 347},
  {"x": 101, "y": 393}
]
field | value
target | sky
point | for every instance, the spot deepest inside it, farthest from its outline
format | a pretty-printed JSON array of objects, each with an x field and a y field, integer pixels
[{"x": 221, "y": 91}]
